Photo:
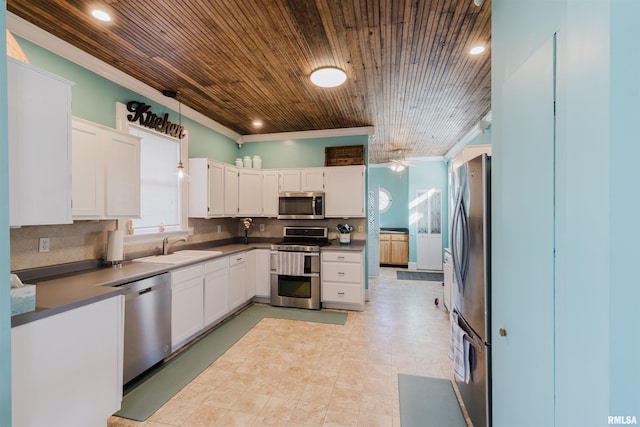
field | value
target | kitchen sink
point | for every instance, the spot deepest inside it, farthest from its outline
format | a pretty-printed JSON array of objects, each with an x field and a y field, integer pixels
[{"x": 179, "y": 257}]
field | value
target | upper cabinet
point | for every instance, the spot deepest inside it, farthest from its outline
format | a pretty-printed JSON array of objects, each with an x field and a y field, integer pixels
[
  {"x": 206, "y": 188},
  {"x": 311, "y": 179},
  {"x": 231, "y": 186},
  {"x": 39, "y": 117},
  {"x": 105, "y": 172},
  {"x": 344, "y": 192},
  {"x": 249, "y": 192},
  {"x": 270, "y": 193}
]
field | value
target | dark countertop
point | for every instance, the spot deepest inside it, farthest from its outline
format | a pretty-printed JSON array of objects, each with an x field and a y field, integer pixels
[
  {"x": 73, "y": 290},
  {"x": 394, "y": 230}
]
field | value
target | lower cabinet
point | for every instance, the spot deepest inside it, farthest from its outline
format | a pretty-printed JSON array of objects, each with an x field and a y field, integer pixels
[
  {"x": 342, "y": 280},
  {"x": 236, "y": 280},
  {"x": 187, "y": 309},
  {"x": 72, "y": 378},
  {"x": 216, "y": 284},
  {"x": 263, "y": 275},
  {"x": 394, "y": 249}
]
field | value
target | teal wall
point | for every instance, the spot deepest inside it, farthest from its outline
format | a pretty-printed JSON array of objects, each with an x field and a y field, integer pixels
[
  {"x": 624, "y": 234},
  {"x": 94, "y": 99},
  {"x": 428, "y": 175},
  {"x": 398, "y": 185},
  {"x": 298, "y": 153},
  {"x": 483, "y": 138},
  {"x": 592, "y": 347},
  {"x": 5, "y": 300}
]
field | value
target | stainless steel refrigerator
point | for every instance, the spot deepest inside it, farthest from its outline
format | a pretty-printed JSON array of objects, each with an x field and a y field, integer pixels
[{"x": 471, "y": 252}]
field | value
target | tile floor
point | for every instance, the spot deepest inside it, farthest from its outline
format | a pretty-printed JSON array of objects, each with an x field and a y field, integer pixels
[{"x": 294, "y": 373}]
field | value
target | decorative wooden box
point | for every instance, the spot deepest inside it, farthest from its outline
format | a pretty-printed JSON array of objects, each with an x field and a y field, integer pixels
[{"x": 346, "y": 155}]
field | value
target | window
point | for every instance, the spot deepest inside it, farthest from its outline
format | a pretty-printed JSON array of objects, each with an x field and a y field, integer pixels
[
  {"x": 160, "y": 192},
  {"x": 163, "y": 196},
  {"x": 384, "y": 200}
]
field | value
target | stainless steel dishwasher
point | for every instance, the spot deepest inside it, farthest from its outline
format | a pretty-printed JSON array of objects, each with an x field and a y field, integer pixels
[{"x": 147, "y": 324}]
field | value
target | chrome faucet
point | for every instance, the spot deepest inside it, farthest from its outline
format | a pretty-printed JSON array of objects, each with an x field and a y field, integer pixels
[{"x": 166, "y": 244}]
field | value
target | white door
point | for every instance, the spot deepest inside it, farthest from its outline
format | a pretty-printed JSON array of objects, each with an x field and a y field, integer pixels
[
  {"x": 429, "y": 229},
  {"x": 373, "y": 231}
]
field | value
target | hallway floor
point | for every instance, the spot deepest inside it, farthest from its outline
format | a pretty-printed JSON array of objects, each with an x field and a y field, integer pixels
[{"x": 294, "y": 373}]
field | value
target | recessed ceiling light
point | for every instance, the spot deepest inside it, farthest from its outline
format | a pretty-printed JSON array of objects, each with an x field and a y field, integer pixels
[
  {"x": 476, "y": 50},
  {"x": 101, "y": 15},
  {"x": 257, "y": 123},
  {"x": 328, "y": 77}
]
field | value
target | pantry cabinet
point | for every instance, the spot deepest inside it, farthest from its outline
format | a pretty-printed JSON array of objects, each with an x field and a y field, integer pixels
[
  {"x": 344, "y": 188},
  {"x": 206, "y": 188},
  {"x": 39, "y": 122},
  {"x": 105, "y": 172},
  {"x": 342, "y": 280}
]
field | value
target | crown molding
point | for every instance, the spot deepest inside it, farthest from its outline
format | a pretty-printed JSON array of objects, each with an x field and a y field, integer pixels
[
  {"x": 480, "y": 127},
  {"x": 38, "y": 36}
]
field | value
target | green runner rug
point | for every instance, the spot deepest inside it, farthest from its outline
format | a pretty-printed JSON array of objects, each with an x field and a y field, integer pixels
[
  {"x": 148, "y": 393},
  {"x": 428, "y": 402}
]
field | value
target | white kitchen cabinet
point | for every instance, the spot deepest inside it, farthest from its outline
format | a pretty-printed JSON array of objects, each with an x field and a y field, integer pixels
[
  {"x": 342, "y": 280},
  {"x": 344, "y": 192},
  {"x": 249, "y": 192},
  {"x": 309, "y": 179},
  {"x": 312, "y": 179},
  {"x": 270, "y": 193},
  {"x": 105, "y": 172},
  {"x": 231, "y": 182},
  {"x": 250, "y": 275},
  {"x": 206, "y": 188},
  {"x": 289, "y": 180},
  {"x": 187, "y": 308},
  {"x": 216, "y": 284},
  {"x": 39, "y": 122},
  {"x": 263, "y": 274},
  {"x": 236, "y": 280},
  {"x": 66, "y": 369}
]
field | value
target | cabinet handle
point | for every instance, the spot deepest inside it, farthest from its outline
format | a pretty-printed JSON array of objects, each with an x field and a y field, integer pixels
[
  {"x": 340, "y": 257},
  {"x": 340, "y": 273},
  {"x": 341, "y": 293}
]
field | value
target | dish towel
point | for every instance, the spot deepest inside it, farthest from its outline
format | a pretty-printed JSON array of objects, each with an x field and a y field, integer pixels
[
  {"x": 290, "y": 263},
  {"x": 459, "y": 350}
]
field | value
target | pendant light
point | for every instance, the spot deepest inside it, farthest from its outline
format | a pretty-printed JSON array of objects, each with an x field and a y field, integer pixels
[
  {"x": 180, "y": 165},
  {"x": 176, "y": 95}
]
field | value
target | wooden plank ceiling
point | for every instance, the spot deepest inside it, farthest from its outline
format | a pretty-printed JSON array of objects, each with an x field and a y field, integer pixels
[{"x": 409, "y": 71}]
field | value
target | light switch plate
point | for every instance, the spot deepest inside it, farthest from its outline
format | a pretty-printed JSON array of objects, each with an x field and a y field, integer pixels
[
  {"x": 261, "y": 227},
  {"x": 219, "y": 228}
]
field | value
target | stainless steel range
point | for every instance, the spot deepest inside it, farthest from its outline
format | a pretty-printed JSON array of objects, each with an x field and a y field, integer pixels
[{"x": 295, "y": 267}]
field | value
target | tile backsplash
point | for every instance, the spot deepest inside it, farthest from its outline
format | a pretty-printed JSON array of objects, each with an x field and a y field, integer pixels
[{"x": 86, "y": 240}]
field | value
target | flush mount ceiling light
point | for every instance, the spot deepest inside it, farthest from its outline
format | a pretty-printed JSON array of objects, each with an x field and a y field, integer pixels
[
  {"x": 101, "y": 15},
  {"x": 257, "y": 123},
  {"x": 476, "y": 50},
  {"x": 328, "y": 77}
]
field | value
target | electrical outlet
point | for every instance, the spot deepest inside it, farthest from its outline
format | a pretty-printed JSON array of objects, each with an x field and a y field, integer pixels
[
  {"x": 219, "y": 229},
  {"x": 43, "y": 244},
  {"x": 261, "y": 227},
  {"x": 361, "y": 228}
]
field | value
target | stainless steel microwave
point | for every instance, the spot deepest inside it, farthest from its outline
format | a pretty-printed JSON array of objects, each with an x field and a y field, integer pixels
[{"x": 301, "y": 205}]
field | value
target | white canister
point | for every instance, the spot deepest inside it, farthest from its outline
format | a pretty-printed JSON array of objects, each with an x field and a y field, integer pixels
[
  {"x": 345, "y": 239},
  {"x": 257, "y": 162},
  {"x": 247, "y": 161},
  {"x": 239, "y": 162}
]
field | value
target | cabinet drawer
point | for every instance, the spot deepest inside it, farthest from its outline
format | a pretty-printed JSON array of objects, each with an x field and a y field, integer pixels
[
  {"x": 336, "y": 292},
  {"x": 385, "y": 237},
  {"x": 341, "y": 272},
  {"x": 342, "y": 256},
  {"x": 237, "y": 259},
  {"x": 185, "y": 274},
  {"x": 218, "y": 264},
  {"x": 400, "y": 237}
]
